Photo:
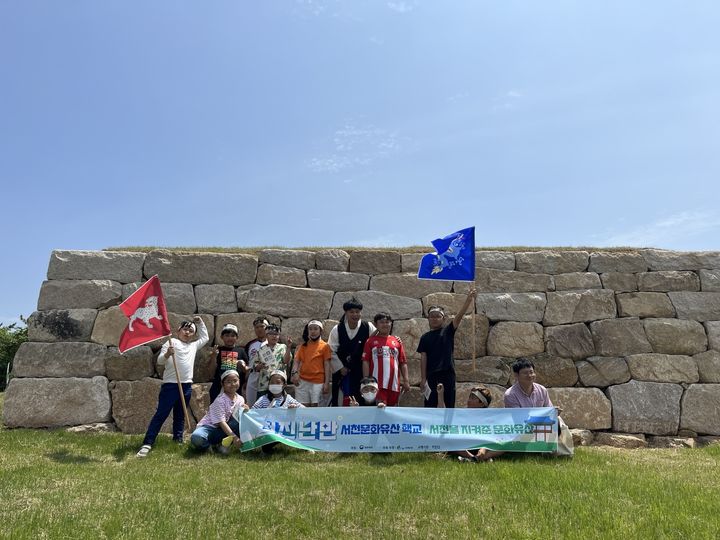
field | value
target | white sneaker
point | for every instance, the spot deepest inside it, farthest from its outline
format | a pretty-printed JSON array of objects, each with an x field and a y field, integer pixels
[
  {"x": 144, "y": 450},
  {"x": 222, "y": 450}
]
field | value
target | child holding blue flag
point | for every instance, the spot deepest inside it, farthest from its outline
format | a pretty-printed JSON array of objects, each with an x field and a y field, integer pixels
[{"x": 436, "y": 349}]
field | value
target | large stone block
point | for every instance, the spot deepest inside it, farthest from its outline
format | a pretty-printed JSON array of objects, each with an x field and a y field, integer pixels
[
  {"x": 554, "y": 371},
  {"x": 514, "y": 339},
  {"x": 197, "y": 268},
  {"x": 586, "y": 408},
  {"x": 179, "y": 297},
  {"x": 451, "y": 302},
  {"x": 290, "y": 302},
  {"x": 205, "y": 366},
  {"x": 708, "y": 259},
  {"x": 569, "y": 341},
  {"x": 499, "y": 260},
  {"x": 701, "y": 409},
  {"x": 469, "y": 344},
  {"x": 708, "y": 365},
  {"x": 337, "y": 281},
  {"x": 66, "y": 359},
  {"x": 712, "y": 329},
  {"x": 410, "y": 262},
  {"x": 109, "y": 326},
  {"x": 579, "y": 306},
  {"x": 698, "y": 306},
  {"x": 410, "y": 331},
  {"x": 215, "y": 299},
  {"x": 61, "y": 325},
  {"x": 134, "y": 365},
  {"x": 134, "y": 404},
  {"x": 79, "y": 293},
  {"x": 619, "y": 337},
  {"x": 520, "y": 307},
  {"x": 617, "y": 261},
  {"x": 41, "y": 403},
  {"x": 491, "y": 280},
  {"x": 400, "y": 307},
  {"x": 709, "y": 280},
  {"x": 577, "y": 280},
  {"x": 270, "y": 274},
  {"x": 242, "y": 292},
  {"x": 619, "y": 281},
  {"x": 646, "y": 407},
  {"x": 121, "y": 266},
  {"x": 408, "y": 285},
  {"x": 659, "y": 259},
  {"x": 675, "y": 336},
  {"x": 200, "y": 400},
  {"x": 644, "y": 304},
  {"x": 663, "y": 368},
  {"x": 668, "y": 280},
  {"x": 488, "y": 369},
  {"x": 602, "y": 371},
  {"x": 288, "y": 257},
  {"x": 552, "y": 262},
  {"x": 332, "y": 259},
  {"x": 370, "y": 261}
]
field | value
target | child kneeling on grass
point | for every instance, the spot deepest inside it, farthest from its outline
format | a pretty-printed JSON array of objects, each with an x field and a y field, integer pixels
[
  {"x": 276, "y": 398},
  {"x": 219, "y": 422},
  {"x": 182, "y": 351}
]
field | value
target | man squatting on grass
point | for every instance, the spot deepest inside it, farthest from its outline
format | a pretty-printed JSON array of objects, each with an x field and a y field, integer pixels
[
  {"x": 183, "y": 349},
  {"x": 436, "y": 349}
]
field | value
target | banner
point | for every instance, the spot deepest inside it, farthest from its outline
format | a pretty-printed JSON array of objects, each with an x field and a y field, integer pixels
[
  {"x": 401, "y": 429},
  {"x": 453, "y": 260},
  {"x": 147, "y": 316}
]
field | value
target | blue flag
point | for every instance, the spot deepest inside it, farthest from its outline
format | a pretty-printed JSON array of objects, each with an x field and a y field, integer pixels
[{"x": 454, "y": 259}]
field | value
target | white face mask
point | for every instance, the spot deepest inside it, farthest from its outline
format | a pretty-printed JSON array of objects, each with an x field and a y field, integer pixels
[
  {"x": 369, "y": 397},
  {"x": 275, "y": 389}
]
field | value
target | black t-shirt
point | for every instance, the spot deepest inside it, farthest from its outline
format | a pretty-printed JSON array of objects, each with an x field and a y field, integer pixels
[
  {"x": 228, "y": 358},
  {"x": 439, "y": 346}
]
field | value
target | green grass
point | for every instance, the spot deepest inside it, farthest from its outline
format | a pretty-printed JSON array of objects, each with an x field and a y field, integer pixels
[{"x": 55, "y": 484}]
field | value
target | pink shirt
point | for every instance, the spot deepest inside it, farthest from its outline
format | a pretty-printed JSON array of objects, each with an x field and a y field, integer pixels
[
  {"x": 221, "y": 410},
  {"x": 516, "y": 398}
]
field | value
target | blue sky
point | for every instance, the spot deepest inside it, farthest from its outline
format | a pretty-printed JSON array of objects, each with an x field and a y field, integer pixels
[{"x": 368, "y": 123}]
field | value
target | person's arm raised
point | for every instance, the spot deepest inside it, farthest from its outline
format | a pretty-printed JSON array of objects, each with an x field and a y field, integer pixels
[{"x": 472, "y": 293}]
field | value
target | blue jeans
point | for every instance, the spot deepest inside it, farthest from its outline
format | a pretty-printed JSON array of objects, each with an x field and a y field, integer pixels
[
  {"x": 205, "y": 436},
  {"x": 169, "y": 400}
]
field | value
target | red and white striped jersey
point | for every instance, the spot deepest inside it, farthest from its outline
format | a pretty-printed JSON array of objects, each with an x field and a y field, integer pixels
[{"x": 385, "y": 354}]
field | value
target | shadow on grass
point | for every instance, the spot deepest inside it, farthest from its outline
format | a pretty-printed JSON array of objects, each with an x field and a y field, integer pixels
[{"x": 64, "y": 456}]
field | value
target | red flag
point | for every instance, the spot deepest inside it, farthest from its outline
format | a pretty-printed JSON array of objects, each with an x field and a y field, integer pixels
[{"x": 148, "y": 319}]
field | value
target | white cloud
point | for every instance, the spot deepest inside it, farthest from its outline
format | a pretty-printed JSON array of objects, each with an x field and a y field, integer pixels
[
  {"x": 353, "y": 147},
  {"x": 507, "y": 101},
  {"x": 402, "y": 7},
  {"x": 672, "y": 232}
]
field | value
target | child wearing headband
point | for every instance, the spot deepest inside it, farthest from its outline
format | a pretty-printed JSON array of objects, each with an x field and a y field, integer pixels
[
  {"x": 219, "y": 422},
  {"x": 311, "y": 371},
  {"x": 181, "y": 352}
]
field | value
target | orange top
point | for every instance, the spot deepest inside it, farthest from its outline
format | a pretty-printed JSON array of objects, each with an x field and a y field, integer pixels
[{"x": 313, "y": 357}]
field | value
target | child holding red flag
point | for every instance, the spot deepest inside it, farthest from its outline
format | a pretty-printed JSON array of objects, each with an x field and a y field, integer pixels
[{"x": 182, "y": 350}]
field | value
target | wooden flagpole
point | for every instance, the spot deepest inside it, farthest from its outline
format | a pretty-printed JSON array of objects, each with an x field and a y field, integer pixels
[{"x": 180, "y": 388}]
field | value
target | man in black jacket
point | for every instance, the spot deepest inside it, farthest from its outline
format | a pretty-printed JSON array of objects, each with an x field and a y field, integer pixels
[{"x": 346, "y": 341}]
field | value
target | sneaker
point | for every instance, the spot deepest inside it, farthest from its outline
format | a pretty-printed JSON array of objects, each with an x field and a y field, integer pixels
[
  {"x": 144, "y": 450},
  {"x": 222, "y": 450}
]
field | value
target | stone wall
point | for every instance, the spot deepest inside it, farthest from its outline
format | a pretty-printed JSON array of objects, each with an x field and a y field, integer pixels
[{"x": 625, "y": 341}]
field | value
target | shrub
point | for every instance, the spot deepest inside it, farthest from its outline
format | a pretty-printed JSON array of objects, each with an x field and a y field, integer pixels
[{"x": 10, "y": 339}]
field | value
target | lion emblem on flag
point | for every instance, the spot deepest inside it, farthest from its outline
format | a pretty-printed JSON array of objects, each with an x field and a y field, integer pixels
[{"x": 145, "y": 313}]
